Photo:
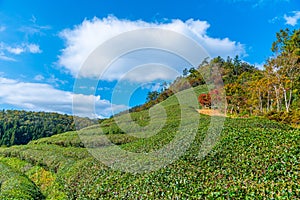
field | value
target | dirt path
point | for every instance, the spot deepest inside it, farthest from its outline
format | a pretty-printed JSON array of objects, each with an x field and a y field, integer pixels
[{"x": 211, "y": 112}]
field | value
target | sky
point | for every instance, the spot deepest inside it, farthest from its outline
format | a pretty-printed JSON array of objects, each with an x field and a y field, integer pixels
[{"x": 46, "y": 47}]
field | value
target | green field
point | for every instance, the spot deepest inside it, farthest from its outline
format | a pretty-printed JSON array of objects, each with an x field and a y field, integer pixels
[{"x": 252, "y": 158}]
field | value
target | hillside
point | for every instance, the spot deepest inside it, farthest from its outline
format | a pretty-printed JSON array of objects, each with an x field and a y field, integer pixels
[
  {"x": 272, "y": 90},
  {"x": 20, "y": 127},
  {"x": 252, "y": 157}
]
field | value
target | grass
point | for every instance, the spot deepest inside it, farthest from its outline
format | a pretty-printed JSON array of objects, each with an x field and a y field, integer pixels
[{"x": 253, "y": 158}]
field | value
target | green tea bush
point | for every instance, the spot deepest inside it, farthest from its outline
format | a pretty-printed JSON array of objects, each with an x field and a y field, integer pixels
[
  {"x": 15, "y": 185},
  {"x": 253, "y": 158}
]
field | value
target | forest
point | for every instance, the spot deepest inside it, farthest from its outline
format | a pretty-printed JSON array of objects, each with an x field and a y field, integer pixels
[{"x": 20, "y": 127}]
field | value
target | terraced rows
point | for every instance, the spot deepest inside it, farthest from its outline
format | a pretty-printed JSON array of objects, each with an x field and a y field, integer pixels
[{"x": 252, "y": 158}]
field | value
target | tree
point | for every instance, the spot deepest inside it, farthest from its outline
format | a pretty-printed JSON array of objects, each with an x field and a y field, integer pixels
[
  {"x": 205, "y": 100},
  {"x": 287, "y": 62},
  {"x": 152, "y": 96},
  {"x": 236, "y": 64},
  {"x": 185, "y": 72}
]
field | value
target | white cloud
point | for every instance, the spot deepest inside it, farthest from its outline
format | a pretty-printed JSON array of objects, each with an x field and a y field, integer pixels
[
  {"x": 6, "y": 58},
  {"x": 43, "y": 97},
  {"x": 144, "y": 73},
  {"x": 292, "y": 20},
  {"x": 81, "y": 40},
  {"x": 15, "y": 50},
  {"x": 33, "y": 48}
]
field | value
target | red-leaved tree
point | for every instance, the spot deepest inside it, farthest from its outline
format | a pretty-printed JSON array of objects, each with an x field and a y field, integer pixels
[{"x": 205, "y": 100}]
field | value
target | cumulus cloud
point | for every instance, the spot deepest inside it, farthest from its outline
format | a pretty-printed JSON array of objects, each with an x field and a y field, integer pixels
[
  {"x": 43, "y": 97},
  {"x": 292, "y": 20},
  {"x": 82, "y": 39}
]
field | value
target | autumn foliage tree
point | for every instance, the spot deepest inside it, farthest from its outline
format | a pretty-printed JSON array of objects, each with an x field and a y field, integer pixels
[{"x": 205, "y": 100}]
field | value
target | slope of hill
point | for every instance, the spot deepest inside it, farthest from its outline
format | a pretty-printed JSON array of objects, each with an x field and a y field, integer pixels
[
  {"x": 253, "y": 157},
  {"x": 20, "y": 127}
]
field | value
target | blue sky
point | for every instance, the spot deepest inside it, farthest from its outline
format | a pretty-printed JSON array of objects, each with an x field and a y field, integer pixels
[{"x": 43, "y": 44}]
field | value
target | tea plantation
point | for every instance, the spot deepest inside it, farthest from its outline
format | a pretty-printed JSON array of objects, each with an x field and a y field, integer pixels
[{"x": 252, "y": 158}]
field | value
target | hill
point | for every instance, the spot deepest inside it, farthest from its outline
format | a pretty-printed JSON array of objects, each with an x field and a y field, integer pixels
[
  {"x": 272, "y": 90},
  {"x": 20, "y": 127},
  {"x": 251, "y": 158}
]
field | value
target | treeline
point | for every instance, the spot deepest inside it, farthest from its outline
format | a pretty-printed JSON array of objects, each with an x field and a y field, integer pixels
[
  {"x": 20, "y": 127},
  {"x": 207, "y": 73},
  {"x": 271, "y": 91}
]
